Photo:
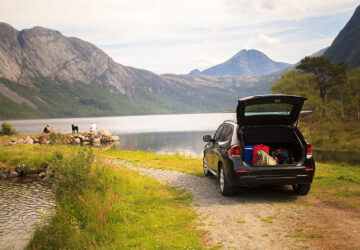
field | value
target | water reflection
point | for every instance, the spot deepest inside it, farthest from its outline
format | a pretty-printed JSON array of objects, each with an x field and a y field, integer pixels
[
  {"x": 188, "y": 143},
  {"x": 22, "y": 204}
]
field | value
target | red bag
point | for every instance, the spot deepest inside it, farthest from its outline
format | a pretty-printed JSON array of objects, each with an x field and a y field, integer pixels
[{"x": 256, "y": 149}]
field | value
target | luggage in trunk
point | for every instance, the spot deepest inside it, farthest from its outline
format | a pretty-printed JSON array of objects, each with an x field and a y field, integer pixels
[{"x": 282, "y": 142}]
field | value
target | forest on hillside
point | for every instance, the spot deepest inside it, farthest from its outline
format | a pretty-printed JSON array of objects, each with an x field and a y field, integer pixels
[{"x": 332, "y": 90}]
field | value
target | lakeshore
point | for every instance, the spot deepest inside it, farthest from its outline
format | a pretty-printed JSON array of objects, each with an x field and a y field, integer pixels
[{"x": 336, "y": 185}]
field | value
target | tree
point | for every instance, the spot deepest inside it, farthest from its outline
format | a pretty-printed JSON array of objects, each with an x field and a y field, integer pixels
[
  {"x": 322, "y": 69},
  {"x": 339, "y": 79},
  {"x": 296, "y": 83},
  {"x": 354, "y": 89}
]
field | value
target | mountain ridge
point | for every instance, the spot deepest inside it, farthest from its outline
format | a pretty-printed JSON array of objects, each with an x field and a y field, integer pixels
[
  {"x": 346, "y": 45},
  {"x": 46, "y": 74},
  {"x": 245, "y": 63}
]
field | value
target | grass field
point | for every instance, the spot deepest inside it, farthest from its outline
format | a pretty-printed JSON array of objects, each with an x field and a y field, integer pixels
[
  {"x": 185, "y": 164},
  {"x": 101, "y": 206}
]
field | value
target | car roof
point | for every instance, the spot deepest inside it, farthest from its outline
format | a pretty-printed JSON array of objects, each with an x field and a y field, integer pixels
[
  {"x": 232, "y": 122},
  {"x": 269, "y": 96}
]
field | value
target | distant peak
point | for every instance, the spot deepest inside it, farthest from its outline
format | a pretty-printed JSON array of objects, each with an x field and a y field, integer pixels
[
  {"x": 42, "y": 30},
  {"x": 195, "y": 72},
  {"x": 246, "y": 53},
  {"x": 6, "y": 25}
]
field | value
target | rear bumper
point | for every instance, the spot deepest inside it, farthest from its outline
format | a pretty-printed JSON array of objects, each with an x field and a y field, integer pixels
[
  {"x": 273, "y": 176},
  {"x": 253, "y": 180}
]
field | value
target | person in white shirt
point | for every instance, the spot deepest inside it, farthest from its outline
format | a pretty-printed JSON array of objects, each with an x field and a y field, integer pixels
[{"x": 92, "y": 127}]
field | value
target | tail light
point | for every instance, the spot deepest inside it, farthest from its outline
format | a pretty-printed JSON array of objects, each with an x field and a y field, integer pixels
[
  {"x": 235, "y": 151},
  {"x": 308, "y": 150}
]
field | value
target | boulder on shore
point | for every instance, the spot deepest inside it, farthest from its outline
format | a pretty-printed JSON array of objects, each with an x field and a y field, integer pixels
[
  {"x": 28, "y": 140},
  {"x": 95, "y": 139},
  {"x": 115, "y": 138}
]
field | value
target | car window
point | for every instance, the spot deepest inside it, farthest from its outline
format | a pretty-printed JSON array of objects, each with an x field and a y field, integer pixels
[
  {"x": 229, "y": 133},
  {"x": 223, "y": 133},
  {"x": 269, "y": 109},
  {"x": 217, "y": 133}
]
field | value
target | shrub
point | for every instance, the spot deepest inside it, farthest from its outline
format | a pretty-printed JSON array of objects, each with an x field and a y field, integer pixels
[
  {"x": 57, "y": 138},
  {"x": 72, "y": 171},
  {"x": 6, "y": 129}
]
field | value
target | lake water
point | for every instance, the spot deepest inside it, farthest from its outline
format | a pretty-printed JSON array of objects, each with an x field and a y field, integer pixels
[
  {"x": 160, "y": 133},
  {"x": 23, "y": 203}
]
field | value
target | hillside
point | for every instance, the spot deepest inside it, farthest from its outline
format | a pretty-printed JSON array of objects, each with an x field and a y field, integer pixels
[
  {"x": 346, "y": 46},
  {"x": 245, "y": 63},
  {"x": 46, "y": 74}
]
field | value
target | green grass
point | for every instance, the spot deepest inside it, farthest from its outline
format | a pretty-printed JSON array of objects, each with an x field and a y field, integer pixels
[
  {"x": 185, "y": 164},
  {"x": 101, "y": 206},
  {"x": 339, "y": 183},
  {"x": 337, "y": 176},
  {"x": 269, "y": 219},
  {"x": 304, "y": 236},
  {"x": 34, "y": 156}
]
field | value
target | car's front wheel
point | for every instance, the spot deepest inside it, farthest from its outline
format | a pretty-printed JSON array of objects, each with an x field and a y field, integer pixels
[
  {"x": 205, "y": 167},
  {"x": 301, "y": 189},
  {"x": 225, "y": 188}
]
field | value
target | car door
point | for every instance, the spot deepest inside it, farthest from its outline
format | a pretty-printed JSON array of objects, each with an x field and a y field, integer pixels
[
  {"x": 220, "y": 146},
  {"x": 209, "y": 151}
]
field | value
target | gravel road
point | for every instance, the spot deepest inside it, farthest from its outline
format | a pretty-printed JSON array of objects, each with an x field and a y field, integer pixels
[{"x": 255, "y": 218}]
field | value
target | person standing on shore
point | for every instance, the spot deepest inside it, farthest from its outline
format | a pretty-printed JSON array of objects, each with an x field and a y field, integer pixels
[{"x": 92, "y": 127}]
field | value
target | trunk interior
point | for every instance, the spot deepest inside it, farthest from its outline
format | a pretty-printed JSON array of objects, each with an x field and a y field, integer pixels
[{"x": 276, "y": 137}]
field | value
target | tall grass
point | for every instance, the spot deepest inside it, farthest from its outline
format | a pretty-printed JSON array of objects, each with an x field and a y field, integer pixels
[{"x": 100, "y": 206}]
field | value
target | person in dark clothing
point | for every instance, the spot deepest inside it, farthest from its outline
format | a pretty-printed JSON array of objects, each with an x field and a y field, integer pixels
[{"x": 47, "y": 129}]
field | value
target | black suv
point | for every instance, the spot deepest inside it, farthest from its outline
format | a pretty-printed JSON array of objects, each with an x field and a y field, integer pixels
[{"x": 269, "y": 120}]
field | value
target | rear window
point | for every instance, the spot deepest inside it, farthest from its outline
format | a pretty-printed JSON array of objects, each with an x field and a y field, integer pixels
[{"x": 269, "y": 109}]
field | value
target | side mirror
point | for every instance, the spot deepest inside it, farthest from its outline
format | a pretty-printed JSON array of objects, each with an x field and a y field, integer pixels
[{"x": 207, "y": 138}]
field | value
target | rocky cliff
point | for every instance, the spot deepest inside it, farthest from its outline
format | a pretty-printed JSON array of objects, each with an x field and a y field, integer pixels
[{"x": 346, "y": 46}]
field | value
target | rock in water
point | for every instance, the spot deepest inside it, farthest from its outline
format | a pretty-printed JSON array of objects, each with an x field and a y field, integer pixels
[
  {"x": 104, "y": 133},
  {"x": 115, "y": 138},
  {"x": 13, "y": 174}
]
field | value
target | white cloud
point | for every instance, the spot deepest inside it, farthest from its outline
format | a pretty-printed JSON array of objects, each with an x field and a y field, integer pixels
[{"x": 264, "y": 41}]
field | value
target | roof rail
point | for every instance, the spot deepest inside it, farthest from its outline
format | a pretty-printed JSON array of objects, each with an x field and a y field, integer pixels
[{"x": 229, "y": 121}]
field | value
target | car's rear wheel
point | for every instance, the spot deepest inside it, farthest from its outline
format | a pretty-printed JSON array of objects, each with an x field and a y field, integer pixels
[
  {"x": 225, "y": 188},
  {"x": 205, "y": 167},
  {"x": 301, "y": 189}
]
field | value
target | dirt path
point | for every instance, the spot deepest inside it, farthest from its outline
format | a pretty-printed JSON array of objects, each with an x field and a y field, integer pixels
[{"x": 262, "y": 218}]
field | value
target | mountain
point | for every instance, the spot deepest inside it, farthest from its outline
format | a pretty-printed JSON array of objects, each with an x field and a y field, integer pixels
[
  {"x": 246, "y": 63},
  {"x": 346, "y": 46},
  {"x": 194, "y": 72},
  {"x": 46, "y": 74}
]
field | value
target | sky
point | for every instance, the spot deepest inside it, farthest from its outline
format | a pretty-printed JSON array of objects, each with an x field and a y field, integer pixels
[{"x": 172, "y": 36}]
